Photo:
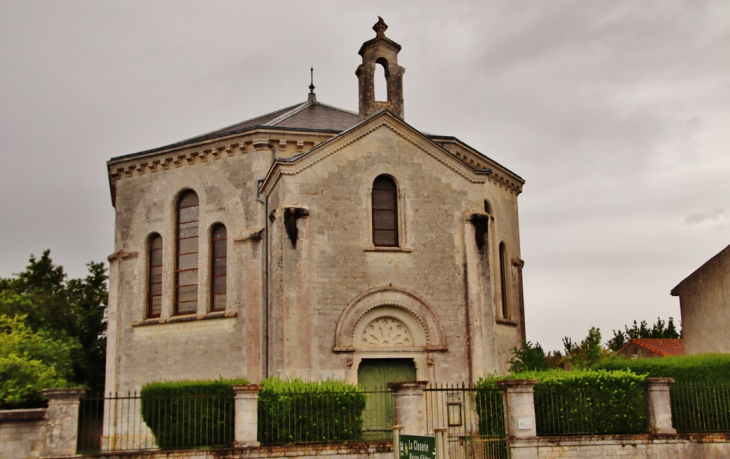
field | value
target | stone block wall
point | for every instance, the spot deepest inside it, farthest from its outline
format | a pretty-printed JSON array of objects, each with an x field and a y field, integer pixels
[{"x": 44, "y": 432}]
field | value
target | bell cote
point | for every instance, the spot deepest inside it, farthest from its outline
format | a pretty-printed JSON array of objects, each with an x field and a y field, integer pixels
[{"x": 380, "y": 51}]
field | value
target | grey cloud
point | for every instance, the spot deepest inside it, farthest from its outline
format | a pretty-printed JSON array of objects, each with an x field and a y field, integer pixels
[{"x": 716, "y": 215}]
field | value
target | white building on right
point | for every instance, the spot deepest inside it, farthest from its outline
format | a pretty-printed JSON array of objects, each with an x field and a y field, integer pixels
[{"x": 704, "y": 298}]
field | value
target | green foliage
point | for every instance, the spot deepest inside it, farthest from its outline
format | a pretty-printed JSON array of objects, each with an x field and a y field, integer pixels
[
  {"x": 700, "y": 393},
  {"x": 584, "y": 401},
  {"x": 291, "y": 411},
  {"x": 186, "y": 414},
  {"x": 527, "y": 357},
  {"x": 64, "y": 310},
  {"x": 30, "y": 362},
  {"x": 683, "y": 368},
  {"x": 660, "y": 329},
  {"x": 587, "y": 353}
]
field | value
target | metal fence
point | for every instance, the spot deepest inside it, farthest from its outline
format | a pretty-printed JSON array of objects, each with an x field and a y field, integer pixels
[
  {"x": 701, "y": 407},
  {"x": 473, "y": 418},
  {"x": 133, "y": 423},
  {"x": 588, "y": 411},
  {"x": 320, "y": 417}
]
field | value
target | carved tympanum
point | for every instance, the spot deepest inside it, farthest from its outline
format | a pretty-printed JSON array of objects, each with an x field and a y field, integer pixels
[{"x": 386, "y": 332}]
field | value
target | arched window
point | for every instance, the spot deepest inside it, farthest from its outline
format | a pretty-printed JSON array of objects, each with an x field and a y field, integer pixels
[
  {"x": 186, "y": 255},
  {"x": 503, "y": 279},
  {"x": 219, "y": 264},
  {"x": 154, "y": 276},
  {"x": 385, "y": 212},
  {"x": 487, "y": 207}
]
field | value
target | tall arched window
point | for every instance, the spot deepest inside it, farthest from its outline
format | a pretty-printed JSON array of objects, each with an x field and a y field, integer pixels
[
  {"x": 219, "y": 264},
  {"x": 154, "y": 276},
  {"x": 385, "y": 212},
  {"x": 186, "y": 255},
  {"x": 503, "y": 279}
]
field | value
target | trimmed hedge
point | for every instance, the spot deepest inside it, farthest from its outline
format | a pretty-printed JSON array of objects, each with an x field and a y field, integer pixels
[
  {"x": 584, "y": 401},
  {"x": 292, "y": 411},
  {"x": 185, "y": 414},
  {"x": 683, "y": 368},
  {"x": 701, "y": 392}
]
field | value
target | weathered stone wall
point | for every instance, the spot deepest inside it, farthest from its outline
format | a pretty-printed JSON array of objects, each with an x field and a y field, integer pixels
[
  {"x": 20, "y": 438},
  {"x": 45, "y": 432},
  {"x": 203, "y": 345},
  {"x": 370, "y": 450},
  {"x": 334, "y": 260},
  {"x": 629, "y": 446},
  {"x": 704, "y": 298}
]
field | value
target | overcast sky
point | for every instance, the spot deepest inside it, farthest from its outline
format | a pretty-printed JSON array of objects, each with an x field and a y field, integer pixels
[{"x": 616, "y": 113}]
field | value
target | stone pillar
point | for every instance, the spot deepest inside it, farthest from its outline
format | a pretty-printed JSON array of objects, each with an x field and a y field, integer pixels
[
  {"x": 62, "y": 421},
  {"x": 520, "y": 408},
  {"x": 442, "y": 444},
  {"x": 246, "y": 419},
  {"x": 409, "y": 406},
  {"x": 659, "y": 405}
]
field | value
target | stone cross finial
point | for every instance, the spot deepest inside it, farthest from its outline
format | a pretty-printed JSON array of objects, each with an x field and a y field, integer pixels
[{"x": 380, "y": 27}]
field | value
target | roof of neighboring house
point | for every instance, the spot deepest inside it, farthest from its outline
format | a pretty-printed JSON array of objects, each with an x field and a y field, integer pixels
[{"x": 661, "y": 346}]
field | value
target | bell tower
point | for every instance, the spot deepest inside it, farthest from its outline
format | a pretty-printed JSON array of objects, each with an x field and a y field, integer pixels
[{"x": 380, "y": 51}]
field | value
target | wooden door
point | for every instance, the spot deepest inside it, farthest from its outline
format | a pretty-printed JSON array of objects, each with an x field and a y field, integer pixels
[{"x": 373, "y": 375}]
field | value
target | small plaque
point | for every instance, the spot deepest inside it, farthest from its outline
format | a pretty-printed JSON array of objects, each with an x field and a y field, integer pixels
[{"x": 524, "y": 424}]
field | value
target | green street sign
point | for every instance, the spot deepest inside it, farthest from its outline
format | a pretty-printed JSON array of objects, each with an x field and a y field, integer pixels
[{"x": 414, "y": 447}]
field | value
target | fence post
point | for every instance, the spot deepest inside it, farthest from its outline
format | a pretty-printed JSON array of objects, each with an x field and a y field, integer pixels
[
  {"x": 442, "y": 446},
  {"x": 62, "y": 421},
  {"x": 659, "y": 405},
  {"x": 520, "y": 406},
  {"x": 246, "y": 421},
  {"x": 409, "y": 403},
  {"x": 396, "y": 441}
]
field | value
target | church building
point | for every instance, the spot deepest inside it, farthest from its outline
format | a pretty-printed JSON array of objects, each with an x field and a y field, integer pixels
[{"x": 315, "y": 242}]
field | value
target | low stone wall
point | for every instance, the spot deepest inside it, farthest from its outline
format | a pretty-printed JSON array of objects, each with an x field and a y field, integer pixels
[
  {"x": 20, "y": 433},
  {"x": 44, "y": 432},
  {"x": 365, "y": 450},
  {"x": 704, "y": 446}
]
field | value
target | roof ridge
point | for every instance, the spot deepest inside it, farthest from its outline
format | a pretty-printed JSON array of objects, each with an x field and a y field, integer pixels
[
  {"x": 336, "y": 108},
  {"x": 230, "y": 126},
  {"x": 288, "y": 114}
]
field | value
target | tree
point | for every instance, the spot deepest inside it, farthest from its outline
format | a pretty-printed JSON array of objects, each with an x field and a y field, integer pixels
[
  {"x": 63, "y": 310},
  {"x": 31, "y": 361},
  {"x": 587, "y": 353},
  {"x": 528, "y": 357},
  {"x": 659, "y": 330}
]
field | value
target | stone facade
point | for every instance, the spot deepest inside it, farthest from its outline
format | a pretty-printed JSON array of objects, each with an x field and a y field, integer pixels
[
  {"x": 309, "y": 292},
  {"x": 704, "y": 298}
]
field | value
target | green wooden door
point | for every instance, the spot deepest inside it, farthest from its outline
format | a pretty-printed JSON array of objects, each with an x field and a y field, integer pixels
[{"x": 373, "y": 375}]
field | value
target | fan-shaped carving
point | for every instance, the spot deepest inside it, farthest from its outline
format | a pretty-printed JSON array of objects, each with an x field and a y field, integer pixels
[{"x": 386, "y": 332}]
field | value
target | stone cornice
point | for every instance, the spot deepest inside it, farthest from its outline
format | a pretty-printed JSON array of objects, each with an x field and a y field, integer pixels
[
  {"x": 501, "y": 176},
  {"x": 288, "y": 143},
  {"x": 122, "y": 255},
  {"x": 386, "y": 120}
]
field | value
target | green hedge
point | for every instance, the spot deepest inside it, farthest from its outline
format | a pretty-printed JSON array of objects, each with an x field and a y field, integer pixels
[
  {"x": 185, "y": 414},
  {"x": 684, "y": 368},
  {"x": 292, "y": 411},
  {"x": 584, "y": 401}
]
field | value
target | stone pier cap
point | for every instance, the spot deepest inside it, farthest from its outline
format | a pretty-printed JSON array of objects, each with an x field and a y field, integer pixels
[{"x": 407, "y": 385}]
